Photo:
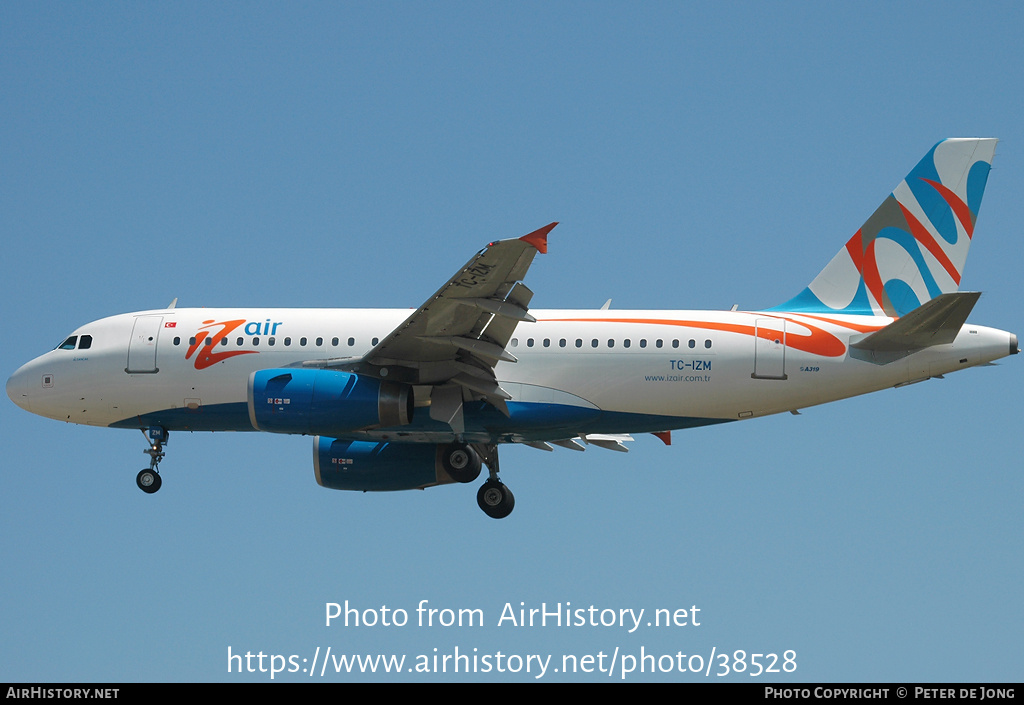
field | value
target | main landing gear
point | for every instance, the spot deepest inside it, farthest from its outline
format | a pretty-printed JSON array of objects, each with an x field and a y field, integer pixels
[
  {"x": 496, "y": 499},
  {"x": 148, "y": 479},
  {"x": 462, "y": 462}
]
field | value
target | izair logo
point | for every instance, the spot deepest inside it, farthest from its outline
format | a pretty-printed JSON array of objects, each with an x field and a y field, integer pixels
[{"x": 215, "y": 333}]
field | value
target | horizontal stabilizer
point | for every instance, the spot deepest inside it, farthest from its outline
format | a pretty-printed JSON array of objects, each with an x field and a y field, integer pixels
[{"x": 936, "y": 322}]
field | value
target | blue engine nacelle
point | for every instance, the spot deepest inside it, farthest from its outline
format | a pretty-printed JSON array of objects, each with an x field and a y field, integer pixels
[
  {"x": 325, "y": 402},
  {"x": 368, "y": 466}
]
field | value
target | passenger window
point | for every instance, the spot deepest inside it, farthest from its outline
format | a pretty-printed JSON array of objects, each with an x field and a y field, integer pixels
[
  {"x": 547, "y": 342},
  {"x": 177, "y": 340},
  {"x": 515, "y": 342},
  {"x": 579, "y": 342},
  {"x": 657, "y": 343},
  {"x": 529, "y": 342},
  {"x": 287, "y": 342},
  {"x": 319, "y": 341},
  {"x": 334, "y": 342},
  {"x": 223, "y": 341},
  {"x": 255, "y": 342},
  {"x": 692, "y": 343},
  {"x": 561, "y": 343},
  {"x": 270, "y": 340},
  {"x": 85, "y": 342},
  {"x": 707, "y": 344},
  {"x": 625, "y": 343},
  {"x": 240, "y": 342},
  {"x": 302, "y": 342},
  {"x": 351, "y": 342},
  {"x": 375, "y": 341},
  {"x": 643, "y": 342},
  {"x": 593, "y": 343},
  {"x": 675, "y": 343}
]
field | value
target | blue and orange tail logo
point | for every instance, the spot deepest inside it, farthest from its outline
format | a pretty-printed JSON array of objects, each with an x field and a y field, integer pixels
[{"x": 914, "y": 247}]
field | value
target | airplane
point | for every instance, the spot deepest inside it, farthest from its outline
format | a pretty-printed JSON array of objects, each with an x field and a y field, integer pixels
[{"x": 398, "y": 401}]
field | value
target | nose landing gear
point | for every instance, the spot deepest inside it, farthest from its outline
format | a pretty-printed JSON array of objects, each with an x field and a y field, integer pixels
[{"x": 148, "y": 479}]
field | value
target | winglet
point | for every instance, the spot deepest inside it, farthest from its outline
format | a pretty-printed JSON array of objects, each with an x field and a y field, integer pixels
[{"x": 539, "y": 238}]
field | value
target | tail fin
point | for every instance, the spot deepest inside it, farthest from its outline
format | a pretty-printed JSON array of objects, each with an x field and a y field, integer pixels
[{"x": 914, "y": 247}]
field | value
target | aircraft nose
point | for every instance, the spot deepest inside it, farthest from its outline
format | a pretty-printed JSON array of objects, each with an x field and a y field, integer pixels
[{"x": 19, "y": 388}]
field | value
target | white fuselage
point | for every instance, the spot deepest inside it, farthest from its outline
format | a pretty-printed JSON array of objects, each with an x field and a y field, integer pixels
[{"x": 189, "y": 369}]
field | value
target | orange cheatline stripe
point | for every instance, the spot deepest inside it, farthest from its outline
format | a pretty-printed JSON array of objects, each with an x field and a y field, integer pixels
[{"x": 819, "y": 342}]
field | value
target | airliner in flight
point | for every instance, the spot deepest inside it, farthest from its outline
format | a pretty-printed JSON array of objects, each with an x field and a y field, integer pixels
[{"x": 398, "y": 401}]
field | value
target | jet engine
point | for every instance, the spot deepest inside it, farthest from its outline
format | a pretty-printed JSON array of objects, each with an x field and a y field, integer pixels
[
  {"x": 325, "y": 402},
  {"x": 377, "y": 467}
]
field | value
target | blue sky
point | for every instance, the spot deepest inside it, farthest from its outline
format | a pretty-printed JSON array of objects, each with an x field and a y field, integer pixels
[{"x": 344, "y": 154}]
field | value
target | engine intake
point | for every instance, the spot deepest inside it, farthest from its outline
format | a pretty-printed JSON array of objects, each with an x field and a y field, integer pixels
[{"x": 325, "y": 402}]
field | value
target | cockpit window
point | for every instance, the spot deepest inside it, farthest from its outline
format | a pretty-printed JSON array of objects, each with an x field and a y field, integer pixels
[{"x": 73, "y": 341}]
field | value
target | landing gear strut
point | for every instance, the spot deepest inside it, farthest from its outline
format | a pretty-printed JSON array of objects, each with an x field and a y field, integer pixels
[
  {"x": 494, "y": 497},
  {"x": 148, "y": 479}
]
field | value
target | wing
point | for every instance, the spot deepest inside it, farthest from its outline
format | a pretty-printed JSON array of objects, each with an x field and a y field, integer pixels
[{"x": 453, "y": 341}]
